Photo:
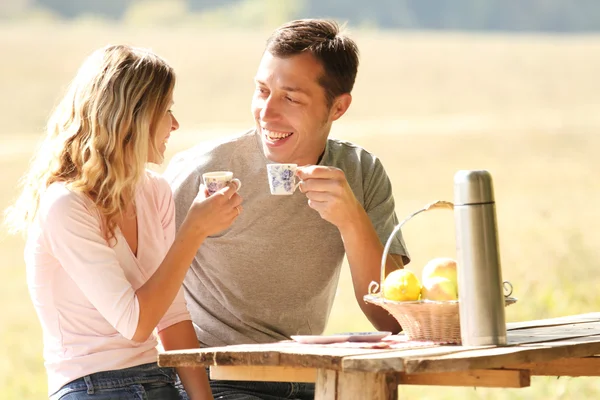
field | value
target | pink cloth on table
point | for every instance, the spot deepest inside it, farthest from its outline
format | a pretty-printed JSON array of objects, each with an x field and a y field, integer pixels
[{"x": 83, "y": 290}]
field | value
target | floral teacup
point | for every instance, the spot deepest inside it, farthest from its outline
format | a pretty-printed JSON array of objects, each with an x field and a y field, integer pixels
[
  {"x": 282, "y": 178},
  {"x": 215, "y": 181}
]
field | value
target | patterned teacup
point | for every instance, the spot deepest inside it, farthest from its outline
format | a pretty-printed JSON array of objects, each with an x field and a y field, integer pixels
[
  {"x": 215, "y": 181},
  {"x": 282, "y": 178}
]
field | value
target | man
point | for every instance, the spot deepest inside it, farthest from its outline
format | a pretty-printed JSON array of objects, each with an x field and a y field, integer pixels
[{"x": 274, "y": 273}]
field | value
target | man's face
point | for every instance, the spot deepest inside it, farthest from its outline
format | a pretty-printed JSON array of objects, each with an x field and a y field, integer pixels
[{"x": 290, "y": 108}]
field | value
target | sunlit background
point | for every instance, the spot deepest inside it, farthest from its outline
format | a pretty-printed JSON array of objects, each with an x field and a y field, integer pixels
[{"x": 508, "y": 86}]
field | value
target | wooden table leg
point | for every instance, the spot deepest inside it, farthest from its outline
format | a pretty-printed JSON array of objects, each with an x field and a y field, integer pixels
[{"x": 337, "y": 385}]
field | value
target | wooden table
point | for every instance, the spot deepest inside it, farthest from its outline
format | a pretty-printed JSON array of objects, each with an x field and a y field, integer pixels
[{"x": 553, "y": 347}]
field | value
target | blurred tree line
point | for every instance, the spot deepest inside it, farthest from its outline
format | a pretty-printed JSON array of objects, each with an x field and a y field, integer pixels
[{"x": 494, "y": 15}]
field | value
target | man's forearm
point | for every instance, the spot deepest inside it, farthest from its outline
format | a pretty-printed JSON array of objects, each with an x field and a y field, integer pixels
[{"x": 364, "y": 252}]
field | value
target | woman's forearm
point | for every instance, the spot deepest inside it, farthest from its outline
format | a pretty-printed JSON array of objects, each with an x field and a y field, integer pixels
[
  {"x": 182, "y": 336},
  {"x": 204, "y": 218},
  {"x": 157, "y": 294}
]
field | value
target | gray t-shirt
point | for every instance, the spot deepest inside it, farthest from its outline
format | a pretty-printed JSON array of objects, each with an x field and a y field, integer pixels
[{"x": 275, "y": 271}]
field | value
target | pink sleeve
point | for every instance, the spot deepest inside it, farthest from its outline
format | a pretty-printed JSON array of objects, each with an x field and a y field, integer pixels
[
  {"x": 72, "y": 234},
  {"x": 178, "y": 311},
  {"x": 166, "y": 208}
]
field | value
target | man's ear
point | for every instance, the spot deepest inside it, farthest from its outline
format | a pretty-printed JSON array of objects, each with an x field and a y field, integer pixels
[{"x": 340, "y": 105}]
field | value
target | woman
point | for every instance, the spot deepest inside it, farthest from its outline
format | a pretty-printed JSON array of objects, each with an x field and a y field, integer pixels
[{"x": 104, "y": 265}]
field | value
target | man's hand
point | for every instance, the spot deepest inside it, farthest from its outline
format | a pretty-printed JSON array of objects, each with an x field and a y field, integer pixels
[{"x": 329, "y": 194}]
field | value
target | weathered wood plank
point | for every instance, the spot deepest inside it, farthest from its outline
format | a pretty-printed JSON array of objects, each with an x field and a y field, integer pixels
[
  {"x": 479, "y": 378},
  {"x": 586, "y": 366},
  {"x": 572, "y": 319},
  {"x": 263, "y": 373},
  {"x": 269, "y": 354},
  {"x": 206, "y": 356},
  {"x": 326, "y": 385},
  {"x": 506, "y": 378},
  {"x": 329, "y": 358},
  {"x": 553, "y": 333},
  {"x": 538, "y": 342},
  {"x": 394, "y": 360},
  {"x": 501, "y": 357},
  {"x": 336, "y": 385}
]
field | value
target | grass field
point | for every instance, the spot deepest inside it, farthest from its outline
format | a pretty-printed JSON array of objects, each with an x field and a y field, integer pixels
[{"x": 523, "y": 107}]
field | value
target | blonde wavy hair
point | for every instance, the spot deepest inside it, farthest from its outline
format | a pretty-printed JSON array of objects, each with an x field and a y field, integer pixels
[{"x": 100, "y": 135}]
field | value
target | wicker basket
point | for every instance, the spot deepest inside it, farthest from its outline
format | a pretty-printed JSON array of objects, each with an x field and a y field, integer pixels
[{"x": 423, "y": 320}]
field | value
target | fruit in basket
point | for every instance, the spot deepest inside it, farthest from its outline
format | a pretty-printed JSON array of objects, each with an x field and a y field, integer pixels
[
  {"x": 439, "y": 289},
  {"x": 402, "y": 285},
  {"x": 441, "y": 267}
]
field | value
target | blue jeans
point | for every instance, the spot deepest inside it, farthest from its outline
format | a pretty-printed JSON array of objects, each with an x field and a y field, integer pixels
[
  {"x": 247, "y": 390},
  {"x": 143, "y": 382}
]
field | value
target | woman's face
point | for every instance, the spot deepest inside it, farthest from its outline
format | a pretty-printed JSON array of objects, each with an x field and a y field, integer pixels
[{"x": 166, "y": 124}]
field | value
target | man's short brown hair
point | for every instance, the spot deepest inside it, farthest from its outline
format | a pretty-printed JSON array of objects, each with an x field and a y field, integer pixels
[{"x": 337, "y": 53}]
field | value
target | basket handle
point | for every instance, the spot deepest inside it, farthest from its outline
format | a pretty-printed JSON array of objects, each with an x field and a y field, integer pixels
[{"x": 374, "y": 286}]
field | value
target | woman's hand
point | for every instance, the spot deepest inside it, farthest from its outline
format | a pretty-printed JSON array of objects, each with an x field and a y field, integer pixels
[{"x": 215, "y": 213}]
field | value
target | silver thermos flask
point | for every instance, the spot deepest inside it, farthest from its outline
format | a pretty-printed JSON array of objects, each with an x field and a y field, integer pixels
[{"x": 480, "y": 290}]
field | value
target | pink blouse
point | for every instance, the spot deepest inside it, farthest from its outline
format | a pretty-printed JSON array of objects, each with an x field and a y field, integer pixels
[{"x": 83, "y": 290}]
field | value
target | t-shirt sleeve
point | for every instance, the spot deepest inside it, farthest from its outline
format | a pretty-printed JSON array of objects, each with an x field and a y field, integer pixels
[
  {"x": 178, "y": 311},
  {"x": 73, "y": 235},
  {"x": 380, "y": 207}
]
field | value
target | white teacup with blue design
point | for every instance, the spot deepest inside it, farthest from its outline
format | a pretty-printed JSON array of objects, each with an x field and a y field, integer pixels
[
  {"x": 215, "y": 181},
  {"x": 282, "y": 178}
]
